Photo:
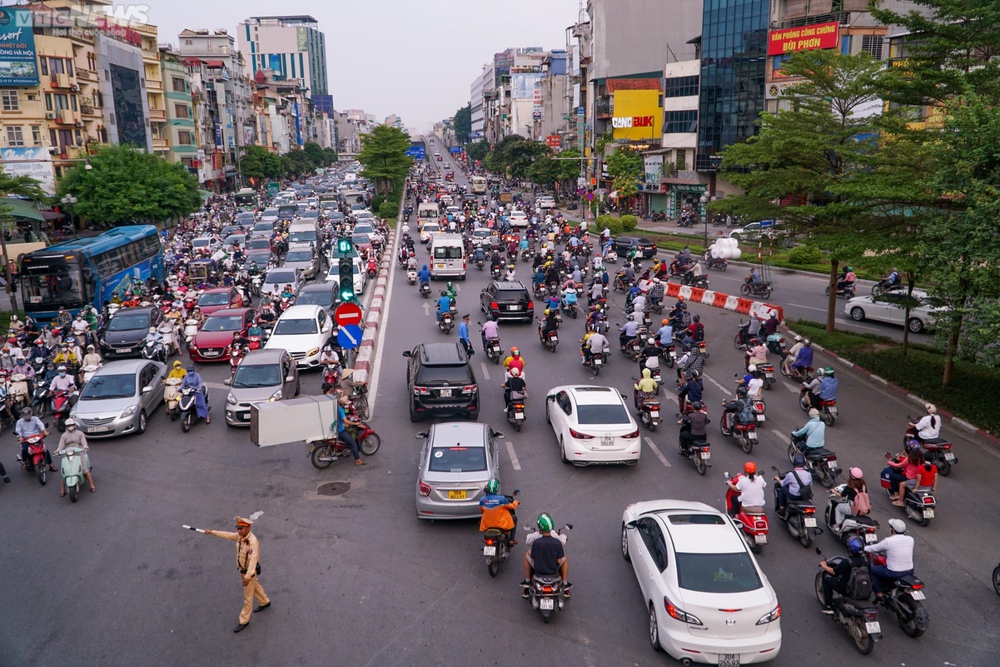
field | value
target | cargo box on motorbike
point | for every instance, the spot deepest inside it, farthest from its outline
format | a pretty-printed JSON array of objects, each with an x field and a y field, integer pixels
[{"x": 297, "y": 420}]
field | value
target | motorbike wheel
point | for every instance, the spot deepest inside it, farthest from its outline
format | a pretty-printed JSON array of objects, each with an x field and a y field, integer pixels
[
  {"x": 745, "y": 289},
  {"x": 370, "y": 444},
  {"x": 996, "y": 579},
  {"x": 517, "y": 426},
  {"x": 805, "y": 537},
  {"x": 819, "y": 588},
  {"x": 747, "y": 445},
  {"x": 910, "y": 626},
  {"x": 877, "y": 290},
  {"x": 827, "y": 478},
  {"x": 596, "y": 369},
  {"x": 722, "y": 267},
  {"x": 322, "y": 451},
  {"x": 61, "y": 424},
  {"x": 792, "y": 451},
  {"x": 173, "y": 415},
  {"x": 859, "y": 633},
  {"x": 546, "y": 616},
  {"x": 827, "y": 292},
  {"x": 43, "y": 476},
  {"x": 187, "y": 421},
  {"x": 829, "y": 419},
  {"x": 74, "y": 492},
  {"x": 39, "y": 410},
  {"x": 699, "y": 464},
  {"x": 944, "y": 467},
  {"x": 804, "y": 402},
  {"x": 737, "y": 343}
]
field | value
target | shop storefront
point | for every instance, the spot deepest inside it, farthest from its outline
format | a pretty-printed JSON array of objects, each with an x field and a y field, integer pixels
[{"x": 681, "y": 194}]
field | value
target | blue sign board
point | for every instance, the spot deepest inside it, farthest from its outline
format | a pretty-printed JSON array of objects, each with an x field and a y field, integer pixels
[
  {"x": 416, "y": 152},
  {"x": 456, "y": 149},
  {"x": 349, "y": 336},
  {"x": 18, "y": 62}
]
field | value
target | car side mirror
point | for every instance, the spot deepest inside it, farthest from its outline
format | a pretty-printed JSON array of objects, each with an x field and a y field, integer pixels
[
  {"x": 147, "y": 389},
  {"x": 630, "y": 525},
  {"x": 498, "y": 435},
  {"x": 407, "y": 353},
  {"x": 290, "y": 378},
  {"x": 228, "y": 382},
  {"x": 422, "y": 435}
]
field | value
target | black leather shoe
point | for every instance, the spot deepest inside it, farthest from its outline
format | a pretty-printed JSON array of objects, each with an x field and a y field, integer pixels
[
  {"x": 241, "y": 627},
  {"x": 262, "y": 607}
]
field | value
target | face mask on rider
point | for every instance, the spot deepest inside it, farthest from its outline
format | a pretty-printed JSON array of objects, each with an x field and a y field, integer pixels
[
  {"x": 62, "y": 373},
  {"x": 71, "y": 427}
]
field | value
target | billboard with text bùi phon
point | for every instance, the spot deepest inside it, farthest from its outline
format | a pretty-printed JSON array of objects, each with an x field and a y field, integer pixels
[{"x": 805, "y": 38}]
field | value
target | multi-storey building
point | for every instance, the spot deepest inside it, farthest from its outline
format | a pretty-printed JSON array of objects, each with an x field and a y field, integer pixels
[
  {"x": 155, "y": 100},
  {"x": 292, "y": 47},
  {"x": 179, "y": 131}
]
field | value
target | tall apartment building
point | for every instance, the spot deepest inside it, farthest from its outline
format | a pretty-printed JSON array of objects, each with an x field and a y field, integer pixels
[
  {"x": 293, "y": 47},
  {"x": 179, "y": 131}
]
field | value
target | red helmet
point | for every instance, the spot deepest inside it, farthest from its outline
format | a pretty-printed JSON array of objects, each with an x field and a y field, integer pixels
[{"x": 750, "y": 467}]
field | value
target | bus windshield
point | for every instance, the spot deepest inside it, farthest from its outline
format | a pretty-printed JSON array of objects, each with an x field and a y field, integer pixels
[{"x": 50, "y": 282}]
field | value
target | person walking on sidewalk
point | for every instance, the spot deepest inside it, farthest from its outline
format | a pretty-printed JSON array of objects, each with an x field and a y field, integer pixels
[{"x": 248, "y": 564}]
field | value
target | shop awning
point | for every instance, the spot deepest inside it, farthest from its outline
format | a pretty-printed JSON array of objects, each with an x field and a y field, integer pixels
[
  {"x": 22, "y": 209},
  {"x": 205, "y": 195}
]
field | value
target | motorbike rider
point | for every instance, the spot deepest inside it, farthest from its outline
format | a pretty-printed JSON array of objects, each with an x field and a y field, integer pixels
[
  {"x": 21, "y": 367},
  {"x": 792, "y": 484},
  {"x": 694, "y": 273},
  {"x": 424, "y": 276},
  {"x": 92, "y": 358},
  {"x": 154, "y": 337},
  {"x": 847, "y": 502},
  {"x": 927, "y": 427},
  {"x": 665, "y": 333},
  {"x": 645, "y": 388},
  {"x": 594, "y": 342},
  {"x": 912, "y": 476},
  {"x": 770, "y": 326},
  {"x": 63, "y": 381},
  {"x": 693, "y": 427},
  {"x": 690, "y": 362},
  {"x": 846, "y": 279},
  {"x": 690, "y": 390},
  {"x": 898, "y": 551},
  {"x": 81, "y": 329},
  {"x": 753, "y": 383},
  {"x": 514, "y": 387},
  {"x": 627, "y": 333},
  {"x": 695, "y": 333},
  {"x": 490, "y": 330},
  {"x": 177, "y": 371},
  {"x": 66, "y": 357},
  {"x": 499, "y": 511},
  {"x": 757, "y": 354},
  {"x": 39, "y": 349},
  {"x": 74, "y": 438},
  {"x": 836, "y": 577},
  {"x": 28, "y": 425},
  {"x": 449, "y": 289},
  {"x": 192, "y": 380},
  {"x": 463, "y": 335},
  {"x": 751, "y": 487},
  {"x": 649, "y": 356},
  {"x": 546, "y": 558},
  {"x": 63, "y": 318},
  {"x": 444, "y": 305},
  {"x": 804, "y": 358},
  {"x": 827, "y": 389},
  {"x": 890, "y": 281},
  {"x": 812, "y": 436},
  {"x": 514, "y": 360},
  {"x": 255, "y": 330},
  {"x": 741, "y": 407},
  {"x": 550, "y": 323}
]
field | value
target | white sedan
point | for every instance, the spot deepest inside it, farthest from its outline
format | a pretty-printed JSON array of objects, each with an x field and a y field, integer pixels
[
  {"x": 708, "y": 600},
  {"x": 592, "y": 425},
  {"x": 427, "y": 230},
  {"x": 302, "y": 331},
  {"x": 891, "y": 307}
]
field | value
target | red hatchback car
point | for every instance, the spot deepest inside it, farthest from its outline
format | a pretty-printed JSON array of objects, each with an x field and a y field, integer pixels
[
  {"x": 211, "y": 343},
  {"x": 217, "y": 298}
]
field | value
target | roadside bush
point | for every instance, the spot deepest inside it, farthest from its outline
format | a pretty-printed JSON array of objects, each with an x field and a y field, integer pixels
[
  {"x": 804, "y": 254},
  {"x": 629, "y": 222},
  {"x": 377, "y": 200},
  {"x": 613, "y": 224},
  {"x": 388, "y": 210}
]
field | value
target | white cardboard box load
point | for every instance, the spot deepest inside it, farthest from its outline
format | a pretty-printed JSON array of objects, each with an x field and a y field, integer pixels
[{"x": 297, "y": 420}]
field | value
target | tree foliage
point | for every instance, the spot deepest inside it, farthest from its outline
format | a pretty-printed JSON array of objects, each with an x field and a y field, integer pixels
[
  {"x": 258, "y": 163},
  {"x": 383, "y": 157},
  {"x": 545, "y": 171},
  {"x": 625, "y": 168},
  {"x": 128, "y": 186},
  {"x": 462, "y": 124},
  {"x": 478, "y": 150},
  {"x": 22, "y": 187},
  {"x": 514, "y": 155}
]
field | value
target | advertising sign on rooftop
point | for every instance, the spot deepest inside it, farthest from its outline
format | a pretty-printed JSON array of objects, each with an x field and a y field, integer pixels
[
  {"x": 805, "y": 38},
  {"x": 18, "y": 64}
]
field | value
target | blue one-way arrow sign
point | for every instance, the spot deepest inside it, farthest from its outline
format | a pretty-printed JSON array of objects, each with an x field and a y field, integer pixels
[{"x": 349, "y": 336}]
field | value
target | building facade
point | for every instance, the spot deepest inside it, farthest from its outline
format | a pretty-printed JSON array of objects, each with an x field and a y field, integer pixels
[
  {"x": 292, "y": 47},
  {"x": 179, "y": 131}
]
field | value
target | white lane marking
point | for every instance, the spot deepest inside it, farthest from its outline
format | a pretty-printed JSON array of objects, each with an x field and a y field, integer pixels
[
  {"x": 513, "y": 457},
  {"x": 663, "y": 459},
  {"x": 376, "y": 364},
  {"x": 486, "y": 371},
  {"x": 799, "y": 305},
  {"x": 427, "y": 309},
  {"x": 725, "y": 390},
  {"x": 794, "y": 388}
]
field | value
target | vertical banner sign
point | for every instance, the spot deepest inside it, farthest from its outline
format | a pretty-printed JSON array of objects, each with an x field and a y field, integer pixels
[{"x": 18, "y": 64}]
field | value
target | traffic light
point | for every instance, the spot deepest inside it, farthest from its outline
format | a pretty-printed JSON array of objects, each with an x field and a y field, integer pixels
[
  {"x": 346, "y": 279},
  {"x": 344, "y": 246}
]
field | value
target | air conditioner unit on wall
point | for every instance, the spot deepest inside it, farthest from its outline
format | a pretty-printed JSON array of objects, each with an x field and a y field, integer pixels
[{"x": 50, "y": 116}]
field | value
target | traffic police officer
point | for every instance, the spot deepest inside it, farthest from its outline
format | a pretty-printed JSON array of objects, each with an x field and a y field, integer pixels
[{"x": 248, "y": 563}]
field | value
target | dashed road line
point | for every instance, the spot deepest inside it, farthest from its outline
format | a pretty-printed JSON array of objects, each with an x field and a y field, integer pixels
[
  {"x": 486, "y": 370},
  {"x": 513, "y": 457},
  {"x": 656, "y": 450},
  {"x": 799, "y": 305}
]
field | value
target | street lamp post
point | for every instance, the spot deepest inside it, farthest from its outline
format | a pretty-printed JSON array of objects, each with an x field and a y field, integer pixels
[
  {"x": 69, "y": 201},
  {"x": 716, "y": 160}
]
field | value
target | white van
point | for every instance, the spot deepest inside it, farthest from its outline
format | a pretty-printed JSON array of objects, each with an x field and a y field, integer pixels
[
  {"x": 303, "y": 232},
  {"x": 447, "y": 256},
  {"x": 427, "y": 212}
]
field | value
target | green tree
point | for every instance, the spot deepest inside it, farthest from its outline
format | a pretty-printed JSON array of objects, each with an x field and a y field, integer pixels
[
  {"x": 625, "y": 168},
  {"x": 544, "y": 171},
  {"x": 330, "y": 157},
  {"x": 22, "y": 187},
  {"x": 298, "y": 163},
  {"x": 463, "y": 124},
  {"x": 478, "y": 150},
  {"x": 515, "y": 155},
  {"x": 569, "y": 165},
  {"x": 315, "y": 153},
  {"x": 383, "y": 157},
  {"x": 127, "y": 186},
  {"x": 258, "y": 162}
]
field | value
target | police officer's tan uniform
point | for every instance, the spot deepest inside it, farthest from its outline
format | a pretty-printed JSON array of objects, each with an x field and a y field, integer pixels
[{"x": 247, "y": 559}]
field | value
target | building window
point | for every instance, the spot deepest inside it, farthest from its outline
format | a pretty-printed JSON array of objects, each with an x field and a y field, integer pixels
[
  {"x": 872, "y": 45},
  {"x": 43, "y": 65},
  {"x": 72, "y": 102},
  {"x": 56, "y": 66},
  {"x": 181, "y": 111},
  {"x": 681, "y": 86},
  {"x": 10, "y": 100},
  {"x": 680, "y": 161},
  {"x": 184, "y": 138},
  {"x": 62, "y": 101},
  {"x": 69, "y": 66},
  {"x": 36, "y": 135},
  {"x": 676, "y": 122},
  {"x": 778, "y": 61},
  {"x": 53, "y": 138},
  {"x": 48, "y": 101},
  {"x": 845, "y": 45},
  {"x": 15, "y": 137},
  {"x": 79, "y": 138},
  {"x": 178, "y": 84}
]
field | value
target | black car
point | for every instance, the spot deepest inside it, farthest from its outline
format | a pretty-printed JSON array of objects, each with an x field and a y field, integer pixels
[
  {"x": 440, "y": 382},
  {"x": 625, "y": 243},
  {"x": 122, "y": 337},
  {"x": 507, "y": 301},
  {"x": 323, "y": 294}
]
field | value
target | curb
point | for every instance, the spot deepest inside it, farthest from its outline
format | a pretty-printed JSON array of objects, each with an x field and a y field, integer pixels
[
  {"x": 905, "y": 393},
  {"x": 373, "y": 316}
]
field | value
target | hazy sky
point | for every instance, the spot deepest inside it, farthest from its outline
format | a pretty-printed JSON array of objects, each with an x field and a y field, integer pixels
[{"x": 414, "y": 58}]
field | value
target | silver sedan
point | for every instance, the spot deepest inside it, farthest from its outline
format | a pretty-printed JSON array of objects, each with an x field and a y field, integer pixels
[{"x": 456, "y": 461}]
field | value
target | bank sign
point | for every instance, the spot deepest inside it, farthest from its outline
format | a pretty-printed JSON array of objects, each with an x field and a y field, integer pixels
[
  {"x": 18, "y": 64},
  {"x": 806, "y": 38},
  {"x": 631, "y": 121}
]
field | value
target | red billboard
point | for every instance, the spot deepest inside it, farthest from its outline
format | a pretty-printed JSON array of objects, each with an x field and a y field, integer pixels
[
  {"x": 806, "y": 38},
  {"x": 554, "y": 141}
]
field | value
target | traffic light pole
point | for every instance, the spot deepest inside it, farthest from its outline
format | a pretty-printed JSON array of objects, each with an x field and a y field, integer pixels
[{"x": 346, "y": 270}]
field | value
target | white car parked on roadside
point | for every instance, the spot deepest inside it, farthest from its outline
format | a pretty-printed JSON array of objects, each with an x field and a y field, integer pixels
[
  {"x": 708, "y": 601},
  {"x": 592, "y": 425}
]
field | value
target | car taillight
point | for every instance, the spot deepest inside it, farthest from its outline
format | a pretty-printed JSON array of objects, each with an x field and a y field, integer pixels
[
  {"x": 581, "y": 436},
  {"x": 679, "y": 614},
  {"x": 631, "y": 436},
  {"x": 421, "y": 391},
  {"x": 771, "y": 616},
  {"x": 470, "y": 389},
  {"x": 494, "y": 305},
  {"x": 424, "y": 489}
]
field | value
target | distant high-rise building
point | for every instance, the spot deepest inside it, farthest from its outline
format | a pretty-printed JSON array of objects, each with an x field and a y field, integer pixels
[{"x": 292, "y": 46}]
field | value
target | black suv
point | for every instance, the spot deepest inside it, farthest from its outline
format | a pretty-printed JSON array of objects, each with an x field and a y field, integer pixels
[
  {"x": 441, "y": 382},
  {"x": 646, "y": 248},
  {"x": 122, "y": 337},
  {"x": 507, "y": 301}
]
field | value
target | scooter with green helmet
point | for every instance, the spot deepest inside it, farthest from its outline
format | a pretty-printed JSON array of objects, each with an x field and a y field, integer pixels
[
  {"x": 845, "y": 288},
  {"x": 545, "y": 585},
  {"x": 498, "y": 525}
]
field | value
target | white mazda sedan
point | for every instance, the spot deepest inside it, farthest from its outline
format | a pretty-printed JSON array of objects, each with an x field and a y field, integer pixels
[
  {"x": 707, "y": 599},
  {"x": 592, "y": 425}
]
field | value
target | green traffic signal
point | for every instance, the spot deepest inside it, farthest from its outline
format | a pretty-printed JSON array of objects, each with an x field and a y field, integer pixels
[
  {"x": 344, "y": 246},
  {"x": 346, "y": 271}
]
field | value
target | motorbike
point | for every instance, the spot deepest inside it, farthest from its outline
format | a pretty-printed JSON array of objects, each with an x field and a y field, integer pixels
[
  {"x": 568, "y": 307},
  {"x": 758, "y": 411},
  {"x": 611, "y": 257},
  {"x": 495, "y": 273},
  {"x": 919, "y": 503},
  {"x": 827, "y": 410},
  {"x": 695, "y": 281},
  {"x": 751, "y": 520},
  {"x": 996, "y": 579},
  {"x": 647, "y": 408},
  {"x": 761, "y": 289},
  {"x": 154, "y": 351},
  {"x": 744, "y": 435},
  {"x": 411, "y": 277},
  {"x": 716, "y": 263},
  {"x": 526, "y": 255},
  {"x": 72, "y": 471},
  {"x": 255, "y": 284},
  {"x": 904, "y": 597},
  {"x": 549, "y": 340},
  {"x": 322, "y": 453},
  {"x": 480, "y": 263},
  {"x": 847, "y": 291},
  {"x": 496, "y": 546},
  {"x": 446, "y": 323},
  {"x": 88, "y": 372},
  {"x": 372, "y": 269},
  {"x": 700, "y": 454},
  {"x": 41, "y": 401},
  {"x": 547, "y": 594},
  {"x": 864, "y": 528},
  {"x": 820, "y": 461},
  {"x": 171, "y": 397},
  {"x": 597, "y": 361},
  {"x": 425, "y": 290},
  {"x": 18, "y": 390},
  {"x": 36, "y": 463},
  {"x": 190, "y": 330},
  {"x": 331, "y": 377},
  {"x": 858, "y": 617},
  {"x": 799, "y": 517},
  {"x": 515, "y": 413},
  {"x": 767, "y": 370},
  {"x": 236, "y": 354},
  {"x": 936, "y": 451},
  {"x": 493, "y": 350},
  {"x": 255, "y": 342},
  {"x": 188, "y": 411},
  {"x": 60, "y": 408}
]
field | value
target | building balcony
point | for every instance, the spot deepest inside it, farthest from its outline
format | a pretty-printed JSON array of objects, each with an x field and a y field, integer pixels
[
  {"x": 160, "y": 144},
  {"x": 89, "y": 110},
  {"x": 68, "y": 153},
  {"x": 604, "y": 109},
  {"x": 86, "y": 74},
  {"x": 67, "y": 118},
  {"x": 157, "y": 116},
  {"x": 154, "y": 84}
]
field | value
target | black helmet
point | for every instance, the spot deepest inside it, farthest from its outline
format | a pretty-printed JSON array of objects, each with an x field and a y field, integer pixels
[
  {"x": 741, "y": 392},
  {"x": 696, "y": 405},
  {"x": 696, "y": 318}
]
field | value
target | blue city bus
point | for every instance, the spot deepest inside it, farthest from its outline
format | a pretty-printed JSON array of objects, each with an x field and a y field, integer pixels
[{"x": 89, "y": 270}]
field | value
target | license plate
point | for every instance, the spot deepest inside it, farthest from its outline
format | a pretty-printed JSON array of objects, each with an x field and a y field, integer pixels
[
  {"x": 489, "y": 551},
  {"x": 511, "y": 307},
  {"x": 760, "y": 539},
  {"x": 439, "y": 266},
  {"x": 456, "y": 495},
  {"x": 871, "y": 538},
  {"x": 872, "y": 627},
  {"x": 729, "y": 660},
  {"x": 607, "y": 441},
  {"x": 123, "y": 350},
  {"x": 98, "y": 429},
  {"x": 207, "y": 354},
  {"x": 548, "y": 604},
  {"x": 654, "y": 413},
  {"x": 833, "y": 411},
  {"x": 673, "y": 355},
  {"x": 706, "y": 455},
  {"x": 445, "y": 393},
  {"x": 769, "y": 375},
  {"x": 554, "y": 339},
  {"x": 518, "y": 415},
  {"x": 928, "y": 514},
  {"x": 598, "y": 361},
  {"x": 810, "y": 522},
  {"x": 949, "y": 456},
  {"x": 918, "y": 595},
  {"x": 760, "y": 418}
]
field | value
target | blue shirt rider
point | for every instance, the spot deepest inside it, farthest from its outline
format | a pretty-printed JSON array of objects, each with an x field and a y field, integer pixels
[
  {"x": 666, "y": 334},
  {"x": 424, "y": 275},
  {"x": 444, "y": 305},
  {"x": 538, "y": 277},
  {"x": 804, "y": 359},
  {"x": 478, "y": 255},
  {"x": 828, "y": 388},
  {"x": 193, "y": 381},
  {"x": 814, "y": 432}
]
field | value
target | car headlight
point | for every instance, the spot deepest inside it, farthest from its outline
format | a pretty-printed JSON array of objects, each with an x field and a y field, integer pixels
[
  {"x": 312, "y": 352},
  {"x": 231, "y": 400},
  {"x": 74, "y": 416},
  {"x": 276, "y": 396},
  {"x": 128, "y": 412}
]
